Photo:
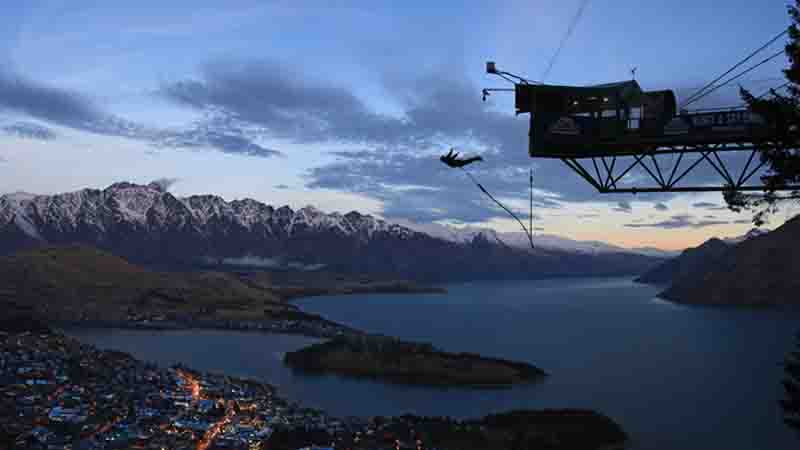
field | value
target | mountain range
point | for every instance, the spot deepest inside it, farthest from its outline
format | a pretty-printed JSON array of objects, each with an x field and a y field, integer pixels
[
  {"x": 763, "y": 270},
  {"x": 520, "y": 240},
  {"x": 689, "y": 263},
  {"x": 696, "y": 260},
  {"x": 758, "y": 269},
  {"x": 148, "y": 225}
]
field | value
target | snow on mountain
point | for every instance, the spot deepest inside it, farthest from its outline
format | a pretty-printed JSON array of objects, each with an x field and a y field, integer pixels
[
  {"x": 19, "y": 196},
  {"x": 520, "y": 240},
  {"x": 148, "y": 225},
  {"x": 152, "y": 207}
]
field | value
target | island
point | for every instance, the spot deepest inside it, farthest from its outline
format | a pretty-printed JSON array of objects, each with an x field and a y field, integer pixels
[{"x": 405, "y": 362}]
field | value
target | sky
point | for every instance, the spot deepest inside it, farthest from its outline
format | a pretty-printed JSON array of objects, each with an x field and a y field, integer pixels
[{"x": 346, "y": 105}]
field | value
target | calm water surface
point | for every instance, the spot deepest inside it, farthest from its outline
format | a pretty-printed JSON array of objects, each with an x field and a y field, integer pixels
[{"x": 675, "y": 377}]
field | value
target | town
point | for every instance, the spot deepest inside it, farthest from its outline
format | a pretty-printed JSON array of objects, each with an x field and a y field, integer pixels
[{"x": 56, "y": 393}]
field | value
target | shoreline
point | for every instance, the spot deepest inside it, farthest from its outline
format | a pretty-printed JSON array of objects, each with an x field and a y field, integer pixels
[
  {"x": 292, "y": 293},
  {"x": 179, "y": 407},
  {"x": 313, "y": 329}
]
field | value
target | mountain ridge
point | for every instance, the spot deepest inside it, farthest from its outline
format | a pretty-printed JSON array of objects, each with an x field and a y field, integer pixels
[
  {"x": 696, "y": 260},
  {"x": 148, "y": 225},
  {"x": 541, "y": 240},
  {"x": 760, "y": 271}
]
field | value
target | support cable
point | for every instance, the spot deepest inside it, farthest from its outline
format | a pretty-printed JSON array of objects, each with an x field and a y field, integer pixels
[
  {"x": 570, "y": 30},
  {"x": 530, "y": 215},
  {"x": 773, "y": 89},
  {"x": 732, "y": 79},
  {"x": 739, "y": 64}
]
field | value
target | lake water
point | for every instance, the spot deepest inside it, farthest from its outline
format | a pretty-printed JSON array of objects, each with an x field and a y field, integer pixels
[{"x": 675, "y": 377}]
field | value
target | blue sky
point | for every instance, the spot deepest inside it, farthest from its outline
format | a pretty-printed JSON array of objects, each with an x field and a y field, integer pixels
[{"x": 344, "y": 105}]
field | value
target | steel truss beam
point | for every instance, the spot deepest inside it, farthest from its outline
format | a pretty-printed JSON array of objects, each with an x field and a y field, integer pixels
[{"x": 605, "y": 178}]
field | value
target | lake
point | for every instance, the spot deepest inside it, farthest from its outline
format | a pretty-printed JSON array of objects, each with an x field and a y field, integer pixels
[{"x": 675, "y": 377}]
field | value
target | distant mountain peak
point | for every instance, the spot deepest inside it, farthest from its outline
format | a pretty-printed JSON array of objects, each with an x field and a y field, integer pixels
[
  {"x": 148, "y": 225},
  {"x": 541, "y": 241},
  {"x": 128, "y": 185}
]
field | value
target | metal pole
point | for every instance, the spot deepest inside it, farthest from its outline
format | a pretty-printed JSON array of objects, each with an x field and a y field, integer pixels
[{"x": 530, "y": 217}]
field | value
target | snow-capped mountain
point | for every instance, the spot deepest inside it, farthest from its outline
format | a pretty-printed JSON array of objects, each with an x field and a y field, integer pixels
[
  {"x": 148, "y": 225},
  {"x": 149, "y": 207},
  {"x": 541, "y": 241}
]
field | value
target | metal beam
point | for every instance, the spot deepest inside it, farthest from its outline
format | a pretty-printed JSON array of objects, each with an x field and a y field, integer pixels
[
  {"x": 744, "y": 170},
  {"x": 572, "y": 164},
  {"x": 606, "y": 181},
  {"x": 675, "y": 169},
  {"x": 664, "y": 150},
  {"x": 693, "y": 189}
]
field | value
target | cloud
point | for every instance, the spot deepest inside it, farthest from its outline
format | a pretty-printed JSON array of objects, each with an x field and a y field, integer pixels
[
  {"x": 53, "y": 105},
  {"x": 232, "y": 141},
  {"x": 661, "y": 206},
  {"x": 281, "y": 186},
  {"x": 282, "y": 103},
  {"x": 421, "y": 189},
  {"x": 678, "y": 221},
  {"x": 623, "y": 206},
  {"x": 388, "y": 153},
  {"x": 77, "y": 111},
  {"x": 29, "y": 130},
  {"x": 710, "y": 206},
  {"x": 164, "y": 183}
]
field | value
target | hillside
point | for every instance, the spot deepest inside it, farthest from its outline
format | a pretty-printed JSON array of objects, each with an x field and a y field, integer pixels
[
  {"x": 149, "y": 226},
  {"x": 75, "y": 281},
  {"x": 689, "y": 263},
  {"x": 761, "y": 271}
]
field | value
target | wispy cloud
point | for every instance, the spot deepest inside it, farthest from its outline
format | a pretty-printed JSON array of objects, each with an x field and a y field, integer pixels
[
  {"x": 623, "y": 206},
  {"x": 29, "y": 130},
  {"x": 678, "y": 221},
  {"x": 74, "y": 110},
  {"x": 165, "y": 183},
  {"x": 389, "y": 151},
  {"x": 394, "y": 158},
  {"x": 709, "y": 206},
  {"x": 54, "y": 105}
]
